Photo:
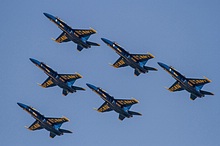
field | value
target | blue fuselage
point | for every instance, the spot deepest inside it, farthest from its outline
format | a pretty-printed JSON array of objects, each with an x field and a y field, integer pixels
[
  {"x": 131, "y": 61},
  {"x": 57, "y": 79},
  {"x": 183, "y": 81},
  {"x": 112, "y": 103},
  {"x": 42, "y": 121},
  {"x": 69, "y": 31}
]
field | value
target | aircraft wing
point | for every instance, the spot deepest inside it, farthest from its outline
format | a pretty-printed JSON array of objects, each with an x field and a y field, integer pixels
[
  {"x": 198, "y": 82},
  {"x": 84, "y": 32},
  {"x": 35, "y": 126},
  {"x": 62, "y": 38},
  {"x": 48, "y": 83},
  {"x": 120, "y": 63},
  {"x": 175, "y": 87},
  {"x": 126, "y": 102},
  {"x": 104, "y": 108},
  {"x": 142, "y": 57},
  {"x": 70, "y": 77},
  {"x": 57, "y": 120}
]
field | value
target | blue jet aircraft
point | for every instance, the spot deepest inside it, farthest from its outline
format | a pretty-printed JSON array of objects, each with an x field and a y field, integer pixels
[
  {"x": 78, "y": 36},
  {"x": 193, "y": 86},
  {"x": 136, "y": 61},
  {"x": 64, "y": 81},
  {"x": 50, "y": 124},
  {"x": 120, "y": 106}
]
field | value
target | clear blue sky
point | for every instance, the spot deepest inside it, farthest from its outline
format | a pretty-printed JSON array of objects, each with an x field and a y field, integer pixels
[{"x": 184, "y": 34}]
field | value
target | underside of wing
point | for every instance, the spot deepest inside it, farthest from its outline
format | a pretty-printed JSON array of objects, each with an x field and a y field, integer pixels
[
  {"x": 175, "y": 87},
  {"x": 62, "y": 38},
  {"x": 84, "y": 32},
  {"x": 70, "y": 77},
  {"x": 127, "y": 102},
  {"x": 48, "y": 83},
  {"x": 142, "y": 57},
  {"x": 198, "y": 82},
  {"x": 120, "y": 63},
  {"x": 35, "y": 126},
  {"x": 57, "y": 120},
  {"x": 104, "y": 108}
]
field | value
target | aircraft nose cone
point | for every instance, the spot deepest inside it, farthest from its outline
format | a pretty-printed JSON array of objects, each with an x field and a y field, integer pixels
[
  {"x": 92, "y": 87},
  {"x": 164, "y": 66},
  {"x": 49, "y": 16},
  {"x": 22, "y": 105},
  {"x": 35, "y": 61},
  {"x": 108, "y": 42}
]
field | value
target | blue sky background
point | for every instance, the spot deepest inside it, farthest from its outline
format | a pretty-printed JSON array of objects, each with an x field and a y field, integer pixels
[{"x": 184, "y": 34}]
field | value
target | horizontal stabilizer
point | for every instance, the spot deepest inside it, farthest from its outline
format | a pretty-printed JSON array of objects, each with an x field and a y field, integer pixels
[
  {"x": 193, "y": 97},
  {"x": 136, "y": 72},
  {"x": 121, "y": 117},
  {"x": 134, "y": 113},
  {"x": 65, "y": 131},
  {"x": 92, "y": 43},
  {"x": 78, "y": 88},
  {"x": 52, "y": 135},
  {"x": 206, "y": 92},
  {"x": 79, "y": 48},
  {"x": 150, "y": 68}
]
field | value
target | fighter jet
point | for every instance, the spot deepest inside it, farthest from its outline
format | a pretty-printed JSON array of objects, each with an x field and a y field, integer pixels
[
  {"x": 136, "y": 61},
  {"x": 193, "y": 86},
  {"x": 64, "y": 81},
  {"x": 120, "y": 106},
  {"x": 50, "y": 124},
  {"x": 78, "y": 36}
]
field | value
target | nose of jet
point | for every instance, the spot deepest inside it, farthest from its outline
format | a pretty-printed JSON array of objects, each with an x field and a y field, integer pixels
[
  {"x": 108, "y": 42},
  {"x": 22, "y": 105},
  {"x": 164, "y": 66},
  {"x": 35, "y": 61},
  {"x": 51, "y": 17},
  {"x": 92, "y": 87}
]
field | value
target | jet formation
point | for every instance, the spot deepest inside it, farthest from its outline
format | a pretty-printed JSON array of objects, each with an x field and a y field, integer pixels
[
  {"x": 50, "y": 124},
  {"x": 64, "y": 81},
  {"x": 120, "y": 106},
  {"x": 78, "y": 36},
  {"x": 193, "y": 86},
  {"x": 136, "y": 61}
]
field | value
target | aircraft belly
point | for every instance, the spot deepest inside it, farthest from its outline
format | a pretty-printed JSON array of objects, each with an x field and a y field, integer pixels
[{"x": 190, "y": 89}]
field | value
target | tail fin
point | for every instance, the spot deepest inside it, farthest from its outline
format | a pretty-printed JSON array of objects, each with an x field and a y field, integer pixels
[
  {"x": 134, "y": 113},
  {"x": 136, "y": 72},
  {"x": 92, "y": 43},
  {"x": 65, "y": 131},
  {"x": 206, "y": 92},
  {"x": 78, "y": 88},
  {"x": 193, "y": 97},
  {"x": 150, "y": 68},
  {"x": 79, "y": 48},
  {"x": 65, "y": 92}
]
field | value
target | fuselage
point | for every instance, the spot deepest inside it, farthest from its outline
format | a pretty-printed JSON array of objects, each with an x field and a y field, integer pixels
[
  {"x": 128, "y": 58},
  {"x": 112, "y": 103},
  {"x": 183, "y": 81},
  {"x": 68, "y": 30},
  {"x": 57, "y": 79},
  {"x": 42, "y": 120}
]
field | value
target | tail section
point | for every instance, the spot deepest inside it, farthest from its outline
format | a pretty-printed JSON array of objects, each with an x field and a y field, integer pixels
[
  {"x": 206, "y": 92},
  {"x": 134, "y": 113},
  {"x": 65, "y": 131},
  {"x": 137, "y": 72},
  {"x": 92, "y": 43},
  {"x": 192, "y": 97},
  {"x": 78, "y": 88},
  {"x": 79, "y": 48},
  {"x": 65, "y": 92},
  {"x": 150, "y": 68}
]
